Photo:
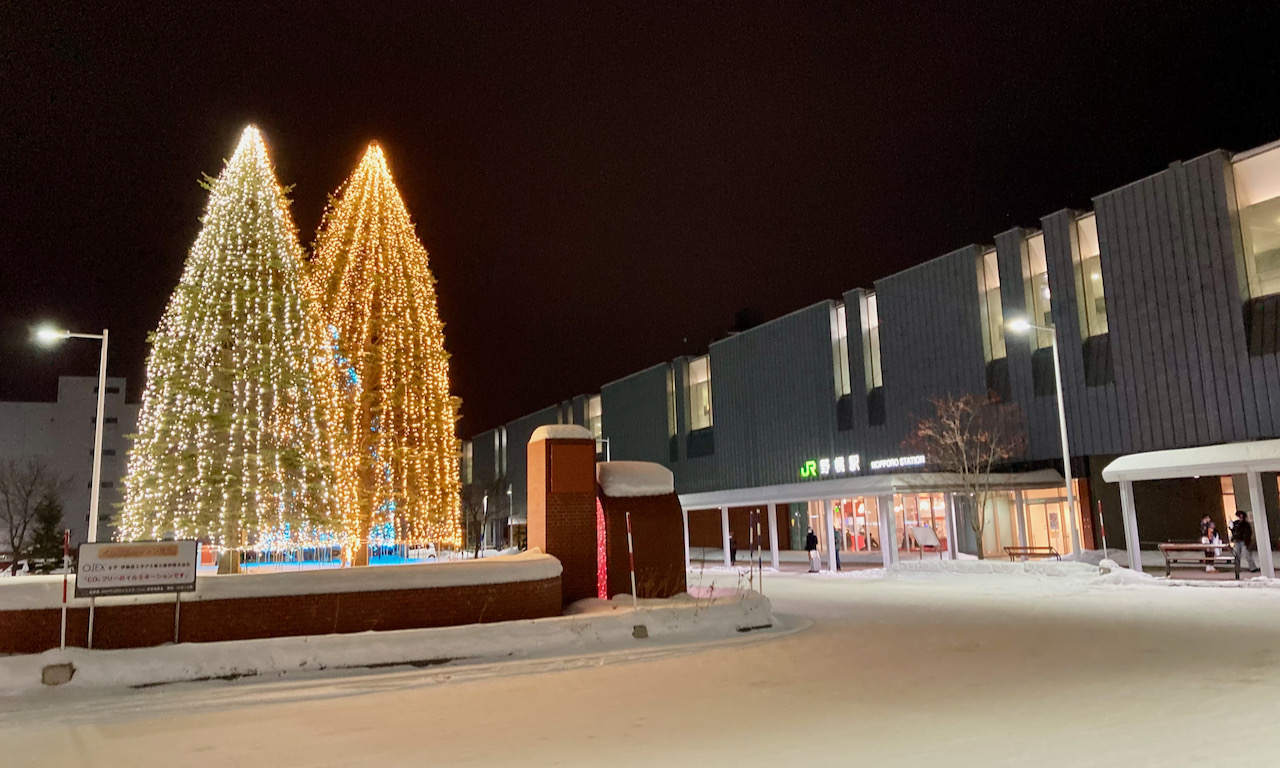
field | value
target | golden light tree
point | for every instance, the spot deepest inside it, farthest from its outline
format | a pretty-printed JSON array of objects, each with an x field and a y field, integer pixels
[
  {"x": 369, "y": 274},
  {"x": 233, "y": 444}
]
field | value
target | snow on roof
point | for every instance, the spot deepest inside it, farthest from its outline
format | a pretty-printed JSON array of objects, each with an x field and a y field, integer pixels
[
  {"x": 623, "y": 479},
  {"x": 1230, "y": 459},
  {"x": 561, "y": 432}
]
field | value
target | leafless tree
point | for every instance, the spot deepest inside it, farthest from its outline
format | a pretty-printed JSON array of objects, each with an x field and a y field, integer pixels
[
  {"x": 970, "y": 436},
  {"x": 482, "y": 503},
  {"x": 24, "y": 483}
]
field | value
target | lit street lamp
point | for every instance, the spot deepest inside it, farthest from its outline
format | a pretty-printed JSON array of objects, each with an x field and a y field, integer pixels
[
  {"x": 1022, "y": 325},
  {"x": 49, "y": 337}
]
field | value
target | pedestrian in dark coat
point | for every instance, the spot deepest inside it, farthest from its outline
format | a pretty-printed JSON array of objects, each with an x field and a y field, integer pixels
[
  {"x": 1242, "y": 540},
  {"x": 811, "y": 546}
]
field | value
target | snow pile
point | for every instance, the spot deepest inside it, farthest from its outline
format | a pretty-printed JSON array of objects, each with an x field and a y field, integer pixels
[
  {"x": 1066, "y": 571},
  {"x": 46, "y": 591},
  {"x": 626, "y": 479},
  {"x": 592, "y": 626},
  {"x": 561, "y": 432}
]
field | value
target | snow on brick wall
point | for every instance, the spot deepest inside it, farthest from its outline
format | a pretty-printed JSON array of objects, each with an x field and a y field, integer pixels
[
  {"x": 624, "y": 479},
  {"x": 561, "y": 432}
]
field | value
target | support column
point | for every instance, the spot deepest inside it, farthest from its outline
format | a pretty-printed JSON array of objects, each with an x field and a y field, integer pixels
[
  {"x": 828, "y": 520},
  {"x": 724, "y": 533},
  {"x": 953, "y": 546},
  {"x": 1130, "y": 516},
  {"x": 1020, "y": 509},
  {"x": 888, "y": 536},
  {"x": 773, "y": 535},
  {"x": 684, "y": 514},
  {"x": 1261, "y": 529}
]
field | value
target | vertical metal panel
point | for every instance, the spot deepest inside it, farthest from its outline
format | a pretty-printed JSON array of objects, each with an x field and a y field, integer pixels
[
  {"x": 633, "y": 413},
  {"x": 484, "y": 462},
  {"x": 774, "y": 402},
  {"x": 518, "y": 434},
  {"x": 930, "y": 341}
]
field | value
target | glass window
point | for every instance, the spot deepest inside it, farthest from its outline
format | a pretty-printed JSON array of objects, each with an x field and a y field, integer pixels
[
  {"x": 671, "y": 401},
  {"x": 466, "y": 462},
  {"x": 871, "y": 342},
  {"x": 840, "y": 350},
  {"x": 594, "y": 422},
  {"x": 700, "y": 393},
  {"x": 989, "y": 307},
  {"x": 1258, "y": 198},
  {"x": 1091, "y": 302},
  {"x": 1035, "y": 277}
]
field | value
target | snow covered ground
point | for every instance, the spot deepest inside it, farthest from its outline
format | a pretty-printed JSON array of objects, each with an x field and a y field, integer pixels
[{"x": 1045, "y": 667}]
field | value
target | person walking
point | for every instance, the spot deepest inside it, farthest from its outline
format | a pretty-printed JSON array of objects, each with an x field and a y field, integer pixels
[
  {"x": 811, "y": 546},
  {"x": 1242, "y": 540},
  {"x": 733, "y": 550}
]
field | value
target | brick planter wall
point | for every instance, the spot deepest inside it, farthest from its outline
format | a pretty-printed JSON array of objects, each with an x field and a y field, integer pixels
[
  {"x": 147, "y": 624},
  {"x": 657, "y": 531}
]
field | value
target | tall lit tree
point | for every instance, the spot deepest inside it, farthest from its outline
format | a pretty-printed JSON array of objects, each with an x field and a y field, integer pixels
[
  {"x": 369, "y": 272},
  {"x": 233, "y": 440}
]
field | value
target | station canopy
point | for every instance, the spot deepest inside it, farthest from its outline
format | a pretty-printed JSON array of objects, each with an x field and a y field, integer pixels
[
  {"x": 1212, "y": 460},
  {"x": 864, "y": 485}
]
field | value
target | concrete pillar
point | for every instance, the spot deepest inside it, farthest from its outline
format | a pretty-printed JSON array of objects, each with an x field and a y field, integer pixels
[
  {"x": 953, "y": 546},
  {"x": 773, "y": 535},
  {"x": 888, "y": 536},
  {"x": 828, "y": 520},
  {"x": 1261, "y": 528},
  {"x": 1020, "y": 510},
  {"x": 724, "y": 533},
  {"x": 1130, "y": 515},
  {"x": 684, "y": 514}
]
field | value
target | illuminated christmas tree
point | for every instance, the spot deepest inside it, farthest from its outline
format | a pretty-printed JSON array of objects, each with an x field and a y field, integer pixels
[
  {"x": 370, "y": 275},
  {"x": 233, "y": 442}
]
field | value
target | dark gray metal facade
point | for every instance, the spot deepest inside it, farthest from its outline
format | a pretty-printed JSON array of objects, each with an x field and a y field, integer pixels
[{"x": 1171, "y": 263}]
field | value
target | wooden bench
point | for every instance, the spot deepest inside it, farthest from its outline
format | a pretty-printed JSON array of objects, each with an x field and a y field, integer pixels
[
  {"x": 1046, "y": 552},
  {"x": 1198, "y": 554}
]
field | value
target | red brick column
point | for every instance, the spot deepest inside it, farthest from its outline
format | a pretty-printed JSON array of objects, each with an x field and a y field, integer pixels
[{"x": 562, "y": 509}]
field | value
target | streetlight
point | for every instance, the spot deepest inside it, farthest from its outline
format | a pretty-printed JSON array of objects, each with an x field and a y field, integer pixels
[
  {"x": 50, "y": 336},
  {"x": 1022, "y": 325}
]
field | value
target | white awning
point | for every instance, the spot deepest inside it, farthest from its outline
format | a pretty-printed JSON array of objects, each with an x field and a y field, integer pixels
[
  {"x": 1230, "y": 459},
  {"x": 862, "y": 485}
]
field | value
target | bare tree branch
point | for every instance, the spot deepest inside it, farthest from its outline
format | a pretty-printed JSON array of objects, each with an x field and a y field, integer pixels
[{"x": 24, "y": 483}]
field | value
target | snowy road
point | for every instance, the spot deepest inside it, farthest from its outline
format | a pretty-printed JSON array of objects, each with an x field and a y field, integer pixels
[{"x": 964, "y": 670}]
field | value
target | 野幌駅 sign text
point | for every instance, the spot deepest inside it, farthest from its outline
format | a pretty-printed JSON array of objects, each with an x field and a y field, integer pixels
[{"x": 136, "y": 568}]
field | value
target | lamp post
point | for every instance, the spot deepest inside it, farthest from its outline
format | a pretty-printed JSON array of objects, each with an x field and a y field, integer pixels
[
  {"x": 50, "y": 336},
  {"x": 1022, "y": 326}
]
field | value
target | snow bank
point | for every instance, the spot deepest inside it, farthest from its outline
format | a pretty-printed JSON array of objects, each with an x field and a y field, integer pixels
[
  {"x": 46, "y": 591},
  {"x": 561, "y": 432},
  {"x": 626, "y": 479},
  {"x": 1106, "y": 572},
  {"x": 593, "y": 625}
]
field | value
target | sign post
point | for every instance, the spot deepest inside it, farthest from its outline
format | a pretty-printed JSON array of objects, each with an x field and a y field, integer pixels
[
  {"x": 66, "y": 566},
  {"x": 136, "y": 568}
]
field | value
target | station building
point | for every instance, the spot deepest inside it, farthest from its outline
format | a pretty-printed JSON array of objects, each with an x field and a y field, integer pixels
[{"x": 1165, "y": 298}]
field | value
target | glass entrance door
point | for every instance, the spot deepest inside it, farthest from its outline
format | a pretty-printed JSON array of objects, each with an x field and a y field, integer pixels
[{"x": 1046, "y": 524}]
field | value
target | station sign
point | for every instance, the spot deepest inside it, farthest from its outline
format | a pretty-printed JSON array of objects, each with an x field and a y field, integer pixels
[
  {"x": 852, "y": 465},
  {"x": 136, "y": 568}
]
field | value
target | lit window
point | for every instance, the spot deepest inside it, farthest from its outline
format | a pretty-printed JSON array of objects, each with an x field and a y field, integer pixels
[
  {"x": 989, "y": 307},
  {"x": 1090, "y": 299},
  {"x": 700, "y": 393},
  {"x": 1258, "y": 198},
  {"x": 1035, "y": 274},
  {"x": 466, "y": 462},
  {"x": 671, "y": 402},
  {"x": 840, "y": 350},
  {"x": 871, "y": 342},
  {"x": 593, "y": 417}
]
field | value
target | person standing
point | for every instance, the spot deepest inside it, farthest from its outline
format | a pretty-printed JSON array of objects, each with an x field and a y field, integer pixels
[
  {"x": 733, "y": 550},
  {"x": 1242, "y": 540},
  {"x": 1211, "y": 537},
  {"x": 811, "y": 546}
]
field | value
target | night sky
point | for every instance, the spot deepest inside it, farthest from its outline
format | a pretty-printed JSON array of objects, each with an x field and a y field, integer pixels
[{"x": 602, "y": 186}]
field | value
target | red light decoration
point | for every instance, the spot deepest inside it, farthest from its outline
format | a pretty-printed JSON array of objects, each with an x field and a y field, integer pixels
[{"x": 602, "y": 555}]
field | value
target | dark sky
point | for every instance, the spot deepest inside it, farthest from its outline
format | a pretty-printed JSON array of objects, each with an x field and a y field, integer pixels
[{"x": 601, "y": 185}]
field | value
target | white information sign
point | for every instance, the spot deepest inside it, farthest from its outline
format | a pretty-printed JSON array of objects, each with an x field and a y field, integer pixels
[
  {"x": 924, "y": 536},
  {"x": 136, "y": 568}
]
